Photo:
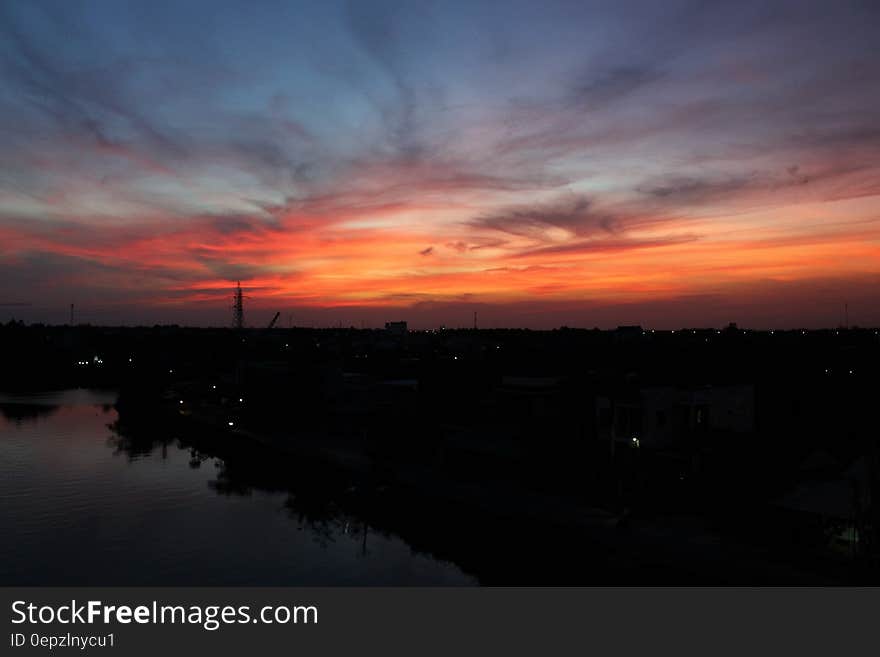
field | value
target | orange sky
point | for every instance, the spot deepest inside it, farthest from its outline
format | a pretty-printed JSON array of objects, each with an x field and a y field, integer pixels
[{"x": 702, "y": 166}]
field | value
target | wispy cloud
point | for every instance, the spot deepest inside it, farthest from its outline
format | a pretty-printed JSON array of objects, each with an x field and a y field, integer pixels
[{"x": 361, "y": 155}]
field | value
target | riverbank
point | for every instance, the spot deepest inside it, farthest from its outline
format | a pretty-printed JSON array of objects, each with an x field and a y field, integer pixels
[{"x": 636, "y": 548}]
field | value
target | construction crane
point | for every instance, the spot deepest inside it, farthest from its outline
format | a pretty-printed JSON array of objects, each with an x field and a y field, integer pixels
[{"x": 274, "y": 319}]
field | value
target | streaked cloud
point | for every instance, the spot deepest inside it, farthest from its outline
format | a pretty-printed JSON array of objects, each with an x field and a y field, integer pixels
[{"x": 545, "y": 161}]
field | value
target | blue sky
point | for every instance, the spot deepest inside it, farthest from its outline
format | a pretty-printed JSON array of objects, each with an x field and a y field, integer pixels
[{"x": 549, "y": 163}]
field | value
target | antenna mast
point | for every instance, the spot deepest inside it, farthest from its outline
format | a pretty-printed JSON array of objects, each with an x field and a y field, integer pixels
[{"x": 237, "y": 307}]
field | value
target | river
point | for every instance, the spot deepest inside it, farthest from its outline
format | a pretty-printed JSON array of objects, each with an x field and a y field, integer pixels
[{"x": 83, "y": 502}]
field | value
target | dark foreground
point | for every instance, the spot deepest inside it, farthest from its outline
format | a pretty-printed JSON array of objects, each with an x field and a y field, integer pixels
[{"x": 498, "y": 457}]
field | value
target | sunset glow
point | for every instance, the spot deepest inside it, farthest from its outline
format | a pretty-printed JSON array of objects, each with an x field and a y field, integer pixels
[{"x": 575, "y": 164}]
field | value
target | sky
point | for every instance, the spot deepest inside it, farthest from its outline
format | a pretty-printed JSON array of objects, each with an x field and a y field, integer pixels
[{"x": 541, "y": 163}]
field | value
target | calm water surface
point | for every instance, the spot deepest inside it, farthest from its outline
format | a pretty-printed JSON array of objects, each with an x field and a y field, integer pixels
[{"x": 77, "y": 506}]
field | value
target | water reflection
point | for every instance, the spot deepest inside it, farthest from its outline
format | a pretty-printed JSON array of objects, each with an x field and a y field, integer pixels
[
  {"x": 318, "y": 499},
  {"x": 18, "y": 408},
  {"x": 19, "y": 413},
  {"x": 91, "y": 497}
]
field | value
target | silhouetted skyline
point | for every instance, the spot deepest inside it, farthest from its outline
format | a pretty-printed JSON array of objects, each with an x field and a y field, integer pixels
[{"x": 502, "y": 457}]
